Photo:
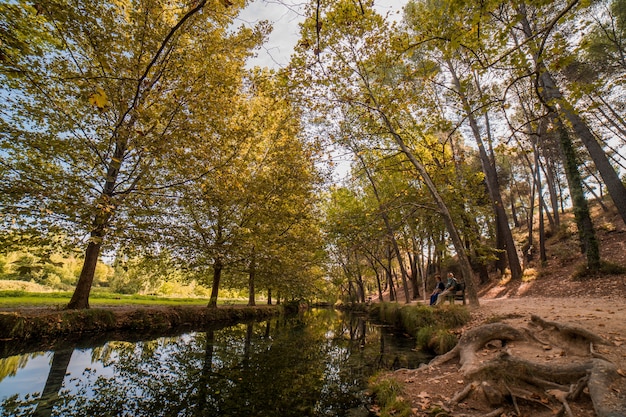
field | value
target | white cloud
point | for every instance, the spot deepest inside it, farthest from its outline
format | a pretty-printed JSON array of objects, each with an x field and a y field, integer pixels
[{"x": 285, "y": 16}]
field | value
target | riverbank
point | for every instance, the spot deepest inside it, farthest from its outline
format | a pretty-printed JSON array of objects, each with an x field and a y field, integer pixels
[{"x": 27, "y": 324}]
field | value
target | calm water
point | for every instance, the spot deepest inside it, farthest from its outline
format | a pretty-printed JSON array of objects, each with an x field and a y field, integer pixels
[{"x": 315, "y": 364}]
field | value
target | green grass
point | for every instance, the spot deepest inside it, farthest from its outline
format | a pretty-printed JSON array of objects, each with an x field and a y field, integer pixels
[
  {"x": 18, "y": 298},
  {"x": 388, "y": 394}
]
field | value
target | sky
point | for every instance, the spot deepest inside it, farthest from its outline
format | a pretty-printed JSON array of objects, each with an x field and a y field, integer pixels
[{"x": 285, "y": 15}]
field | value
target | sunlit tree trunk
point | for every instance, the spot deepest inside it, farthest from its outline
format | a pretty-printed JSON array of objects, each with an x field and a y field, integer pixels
[
  {"x": 80, "y": 298},
  {"x": 251, "y": 278}
]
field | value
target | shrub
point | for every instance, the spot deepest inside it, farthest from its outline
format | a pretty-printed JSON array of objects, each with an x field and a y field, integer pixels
[
  {"x": 442, "y": 341},
  {"x": 452, "y": 316},
  {"x": 435, "y": 340},
  {"x": 430, "y": 326},
  {"x": 413, "y": 318}
]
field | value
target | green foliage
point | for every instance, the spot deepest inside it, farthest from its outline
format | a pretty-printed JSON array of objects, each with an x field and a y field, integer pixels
[
  {"x": 86, "y": 141},
  {"x": 53, "y": 270},
  {"x": 604, "y": 44}
]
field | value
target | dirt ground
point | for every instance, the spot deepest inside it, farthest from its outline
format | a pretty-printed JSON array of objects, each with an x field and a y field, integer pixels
[{"x": 603, "y": 314}]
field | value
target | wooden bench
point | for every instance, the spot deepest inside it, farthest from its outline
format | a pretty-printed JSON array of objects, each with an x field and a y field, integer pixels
[{"x": 458, "y": 295}]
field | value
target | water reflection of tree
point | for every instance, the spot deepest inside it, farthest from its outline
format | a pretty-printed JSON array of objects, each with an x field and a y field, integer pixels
[
  {"x": 54, "y": 382},
  {"x": 289, "y": 367}
]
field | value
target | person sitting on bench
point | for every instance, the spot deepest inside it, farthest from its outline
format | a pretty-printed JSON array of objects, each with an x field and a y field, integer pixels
[
  {"x": 439, "y": 287},
  {"x": 451, "y": 286}
]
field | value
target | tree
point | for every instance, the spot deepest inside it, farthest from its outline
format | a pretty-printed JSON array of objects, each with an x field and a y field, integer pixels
[
  {"x": 455, "y": 48},
  {"x": 120, "y": 90},
  {"x": 255, "y": 210},
  {"x": 550, "y": 93},
  {"x": 355, "y": 67}
]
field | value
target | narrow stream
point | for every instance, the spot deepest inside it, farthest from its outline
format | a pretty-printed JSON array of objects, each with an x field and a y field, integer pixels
[{"x": 315, "y": 364}]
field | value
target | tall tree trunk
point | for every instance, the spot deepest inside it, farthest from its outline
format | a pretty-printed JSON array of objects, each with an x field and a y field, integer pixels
[
  {"x": 516, "y": 222},
  {"x": 614, "y": 185},
  {"x": 542, "y": 234},
  {"x": 106, "y": 207},
  {"x": 390, "y": 231},
  {"x": 493, "y": 186},
  {"x": 379, "y": 285},
  {"x": 586, "y": 232},
  {"x": 359, "y": 279},
  {"x": 392, "y": 290},
  {"x": 531, "y": 217},
  {"x": 466, "y": 268},
  {"x": 217, "y": 275},
  {"x": 554, "y": 195},
  {"x": 413, "y": 263},
  {"x": 80, "y": 298},
  {"x": 251, "y": 278},
  {"x": 269, "y": 296}
]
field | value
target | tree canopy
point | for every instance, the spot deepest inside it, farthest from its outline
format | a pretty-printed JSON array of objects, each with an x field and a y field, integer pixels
[{"x": 135, "y": 129}]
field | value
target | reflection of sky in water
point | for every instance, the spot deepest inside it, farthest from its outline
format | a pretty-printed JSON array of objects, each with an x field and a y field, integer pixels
[{"x": 30, "y": 378}]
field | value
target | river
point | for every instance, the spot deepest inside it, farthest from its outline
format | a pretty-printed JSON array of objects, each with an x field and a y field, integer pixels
[{"x": 313, "y": 364}]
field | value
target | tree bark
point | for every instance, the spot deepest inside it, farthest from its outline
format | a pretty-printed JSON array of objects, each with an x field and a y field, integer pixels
[
  {"x": 251, "y": 278},
  {"x": 586, "y": 233},
  {"x": 217, "y": 275},
  {"x": 80, "y": 297}
]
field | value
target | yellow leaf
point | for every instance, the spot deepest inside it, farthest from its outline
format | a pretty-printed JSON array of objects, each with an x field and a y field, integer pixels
[{"x": 99, "y": 98}]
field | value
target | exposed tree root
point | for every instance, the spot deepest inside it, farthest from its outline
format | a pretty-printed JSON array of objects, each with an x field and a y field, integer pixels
[
  {"x": 554, "y": 381},
  {"x": 573, "y": 332}
]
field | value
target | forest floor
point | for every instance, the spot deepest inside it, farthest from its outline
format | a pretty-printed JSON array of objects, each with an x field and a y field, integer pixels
[{"x": 596, "y": 304}]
